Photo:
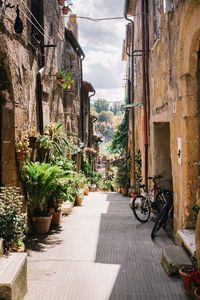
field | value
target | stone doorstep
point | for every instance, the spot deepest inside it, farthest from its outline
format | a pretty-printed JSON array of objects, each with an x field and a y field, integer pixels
[
  {"x": 13, "y": 276},
  {"x": 173, "y": 258},
  {"x": 1, "y": 248},
  {"x": 186, "y": 237}
]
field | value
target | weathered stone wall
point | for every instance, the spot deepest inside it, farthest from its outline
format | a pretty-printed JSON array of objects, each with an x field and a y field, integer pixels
[
  {"x": 174, "y": 103},
  {"x": 21, "y": 58}
]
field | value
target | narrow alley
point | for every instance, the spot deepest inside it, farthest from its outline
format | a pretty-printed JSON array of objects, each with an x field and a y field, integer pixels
[{"x": 100, "y": 252}]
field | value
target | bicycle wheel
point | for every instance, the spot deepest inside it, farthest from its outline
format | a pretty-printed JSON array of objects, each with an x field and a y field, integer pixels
[
  {"x": 141, "y": 208},
  {"x": 161, "y": 220}
]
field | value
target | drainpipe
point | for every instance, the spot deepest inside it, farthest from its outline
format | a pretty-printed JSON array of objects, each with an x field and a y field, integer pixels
[
  {"x": 144, "y": 87},
  {"x": 39, "y": 100},
  {"x": 89, "y": 129},
  {"x": 131, "y": 100},
  {"x": 81, "y": 104}
]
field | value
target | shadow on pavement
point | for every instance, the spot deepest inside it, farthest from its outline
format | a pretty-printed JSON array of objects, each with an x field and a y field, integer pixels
[
  {"x": 40, "y": 242},
  {"x": 124, "y": 241}
]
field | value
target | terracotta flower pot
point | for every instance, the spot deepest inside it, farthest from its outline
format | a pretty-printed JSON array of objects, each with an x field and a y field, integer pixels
[
  {"x": 79, "y": 201},
  {"x": 86, "y": 192},
  {"x": 41, "y": 225},
  {"x": 52, "y": 210},
  {"x": 133, "y": 195},
  {"x": 124, "y": 191},
  {"x": 65, "y": 10},
  {"x": 186, "y": 284},
  {"x": 97, "y": 189},
  {"x": 21, "y": 156},
  {"x": 57, "y": 218},
  {"x": 197, "y": 293}
]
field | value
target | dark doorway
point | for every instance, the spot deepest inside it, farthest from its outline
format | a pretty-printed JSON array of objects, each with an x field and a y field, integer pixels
[{"x": 162, "y": 157}]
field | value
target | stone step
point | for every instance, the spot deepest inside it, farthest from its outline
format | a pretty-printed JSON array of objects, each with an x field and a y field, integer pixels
[
  {"x": 1, "y": 248},
  {"x": 173, "y": 258},
  {"x": 13, "y": 276}
]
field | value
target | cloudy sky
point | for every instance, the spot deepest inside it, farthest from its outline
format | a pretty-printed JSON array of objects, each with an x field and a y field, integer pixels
[{"x": 102, "y": 44}]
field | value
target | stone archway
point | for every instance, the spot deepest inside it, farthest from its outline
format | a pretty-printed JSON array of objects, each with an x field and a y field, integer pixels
[{"x": 188, "y": 47}]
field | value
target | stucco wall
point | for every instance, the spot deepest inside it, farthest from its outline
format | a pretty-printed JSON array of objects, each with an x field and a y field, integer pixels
[{"x": 173, "y": 99}]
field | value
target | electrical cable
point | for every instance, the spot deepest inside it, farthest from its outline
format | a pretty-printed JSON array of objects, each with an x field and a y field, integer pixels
[
  {"x": 29, "y": 42},
  {"x": 37, "y": 27},
  {"x": 50, "y": 39},
  {"x": 104, "y": 19},
  {"x": 97, "y": 19}
]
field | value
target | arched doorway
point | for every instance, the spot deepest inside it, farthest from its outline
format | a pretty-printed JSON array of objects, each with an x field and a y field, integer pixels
[{"x": 8, "y": 172}]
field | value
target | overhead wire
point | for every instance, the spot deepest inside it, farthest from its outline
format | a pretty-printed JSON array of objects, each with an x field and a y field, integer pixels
[
  {"x": 29, "y": 42},
  {"x": 50, "y": 39},
  {"x": 42, "y": 33}
]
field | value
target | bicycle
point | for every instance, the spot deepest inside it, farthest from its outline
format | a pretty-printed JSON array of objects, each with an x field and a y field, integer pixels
[
  {"x": 142, "y": 205},
  {"x": 163, "y": 217}
]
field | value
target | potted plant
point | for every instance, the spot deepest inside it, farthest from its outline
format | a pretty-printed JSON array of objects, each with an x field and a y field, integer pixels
[
  {"x": 107, "y": 185},
  {"x": 61, "y": 2},
  {"x": 137, "y": 172},
  {"x": 79, "y": 199},
  {"x": 187, "y": 273},
  {"x": 66, "y": 10},
  {"x": 12, "y": 219},
  {"x": 64, "y": 78},
  {"x": 22, "y": 148},
  {"x": 40, "y": 181}
]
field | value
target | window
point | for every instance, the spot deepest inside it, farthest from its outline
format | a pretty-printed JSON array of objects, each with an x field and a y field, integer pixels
[
  {"x": 37, "y": 30},
  {"x": 167, "y": 6}
]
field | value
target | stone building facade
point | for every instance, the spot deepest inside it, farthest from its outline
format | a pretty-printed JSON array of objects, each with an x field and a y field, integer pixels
[
  {"x": 29, "y": 61},
  {"x": 166, "y": 81}
]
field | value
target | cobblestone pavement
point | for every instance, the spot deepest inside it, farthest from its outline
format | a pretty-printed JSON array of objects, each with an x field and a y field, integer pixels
[{"x": 100, "y": 252}]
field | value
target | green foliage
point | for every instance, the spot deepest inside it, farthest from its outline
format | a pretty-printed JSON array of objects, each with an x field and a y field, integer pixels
[
  {"x": 138, "y": 169},
  {"x": 87, "y": 169},
  {"x": 12, "y": 220},
  {"x": 120, "y": 138},
  {"x": 56, "y": 143},
  {"x": 116, "y": 108},
  {"x": 105, "y": 116},
  {"x": 40, "y": 182},
  {"x": 64, "y": 78},
  {"x": 107, "y": 185},
  {"x": 96, "y": 178},
  {"x": 101, "y": 105},
  {"x": 122, "y": 178},
  {"x": 195, "y": 208}
]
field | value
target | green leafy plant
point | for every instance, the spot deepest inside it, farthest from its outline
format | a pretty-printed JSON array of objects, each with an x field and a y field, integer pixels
[
  {"x": 56, "y": 143},
  {"x": 138, "y": 170},
  {"x": 40, "y": 181},
  {"x": 12, "y": 219},
  {"x": 64, "y": 78},
  {"x": 107, "y": 185}
]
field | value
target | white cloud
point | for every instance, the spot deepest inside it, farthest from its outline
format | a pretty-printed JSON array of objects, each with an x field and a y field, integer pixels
[{"x": 102, "y": 44}]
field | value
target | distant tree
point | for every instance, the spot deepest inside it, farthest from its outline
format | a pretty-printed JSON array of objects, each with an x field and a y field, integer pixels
[
  {"x": 101, "y": 105},
  {"x": 116, "y": 107},
  {"x": 106, "y": 116},
  {"x": 120, "y": 138}
]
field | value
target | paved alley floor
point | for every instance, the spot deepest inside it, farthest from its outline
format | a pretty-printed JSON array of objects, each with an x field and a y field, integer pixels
[{"x": 100, "y": 252}]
